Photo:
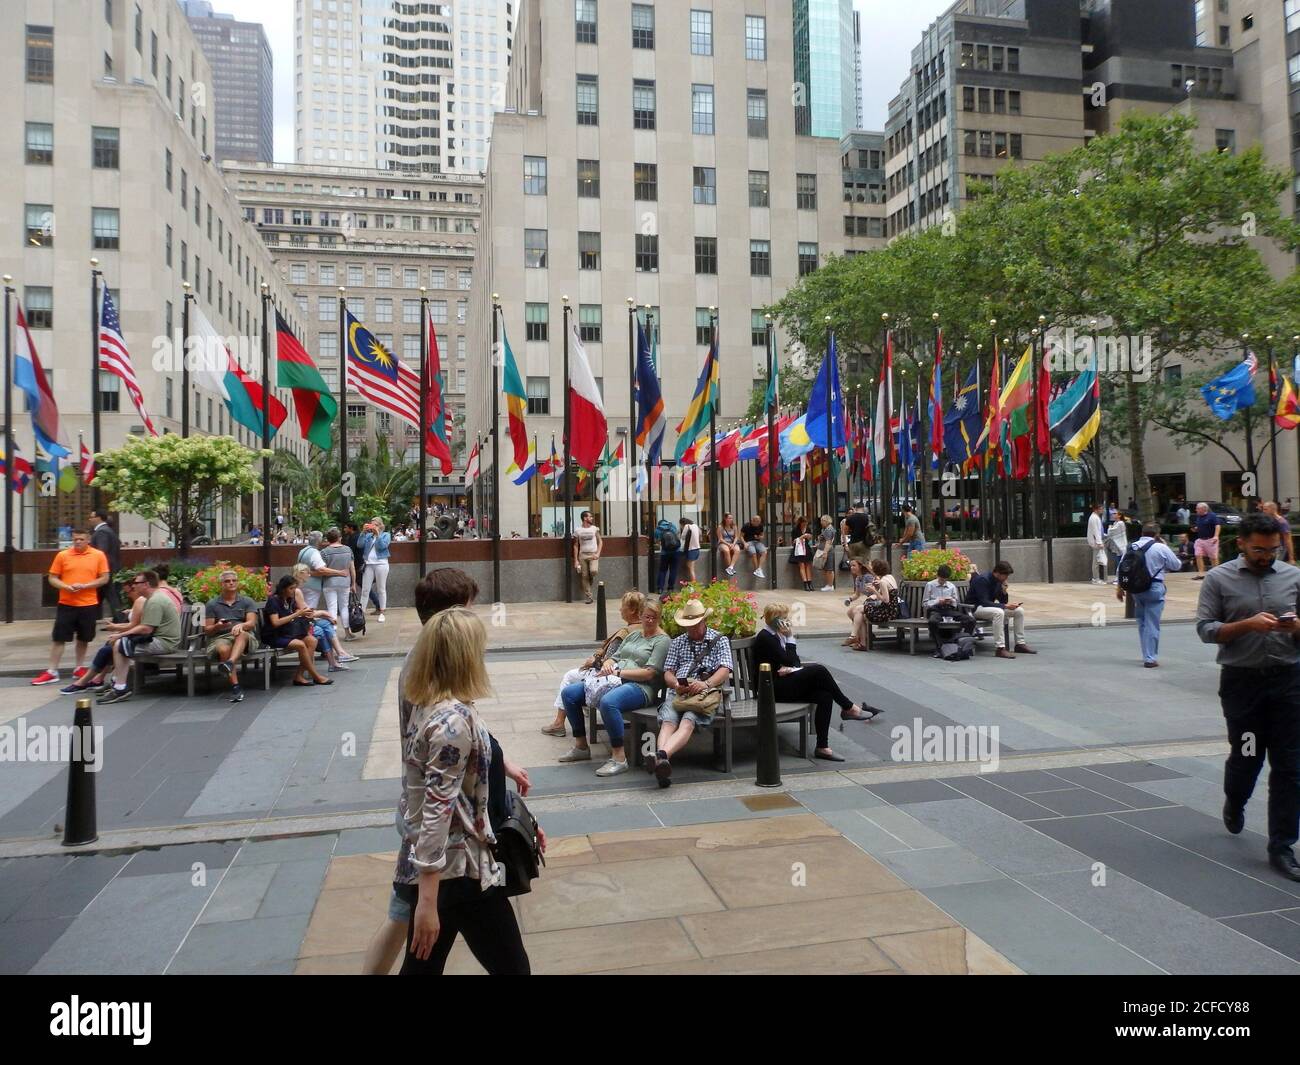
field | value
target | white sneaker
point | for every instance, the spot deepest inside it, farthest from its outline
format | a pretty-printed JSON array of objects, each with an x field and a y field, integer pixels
[
  {"x": 577, "y": 754},
  {"x": 731, "y": 571},
  {"x": 379, "y": 617},
  {"x": 345, "y": 657},
  {"x": 340, "y": 668},
  {"x": 612, "y": 768},
  {"x": 760, "y": 574},
  {"x": 828, "y": 588}
]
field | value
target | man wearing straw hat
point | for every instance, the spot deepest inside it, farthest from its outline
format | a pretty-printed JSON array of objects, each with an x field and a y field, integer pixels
[{"x": 697, "y": 666}]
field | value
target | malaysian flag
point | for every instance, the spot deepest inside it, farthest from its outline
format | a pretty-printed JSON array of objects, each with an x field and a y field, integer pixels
[
  {"x": 378, "y": 376},
  {"x": 115, "y": 359}
]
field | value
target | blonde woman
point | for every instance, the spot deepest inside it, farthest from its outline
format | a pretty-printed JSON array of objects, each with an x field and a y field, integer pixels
[
  {"x": 728, "y": 549},
  {"x": 863, "y": 584},
  {"x": 825, "y": 556},
  {"x": 630, "y": 611},
  {"x": 445, "y": 868}
]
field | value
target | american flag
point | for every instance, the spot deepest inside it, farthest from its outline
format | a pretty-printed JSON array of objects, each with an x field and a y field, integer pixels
[
  {"x": 373, "y": 372},
  {"x": 115, "y": 359}
]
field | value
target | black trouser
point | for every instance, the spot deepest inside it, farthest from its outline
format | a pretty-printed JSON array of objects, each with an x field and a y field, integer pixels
[
  {"x": 110, "y": 593},
  {"x": 813, "y": 683},
  {"x": 938, "y": 614},
  {"x": 667, "y": 571},
  {"x": 1264, "y": 705},
  {"x": 486, "y": 920}
]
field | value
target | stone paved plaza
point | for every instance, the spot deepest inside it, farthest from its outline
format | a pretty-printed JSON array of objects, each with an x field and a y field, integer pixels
[{"x": 258, "y": 837}]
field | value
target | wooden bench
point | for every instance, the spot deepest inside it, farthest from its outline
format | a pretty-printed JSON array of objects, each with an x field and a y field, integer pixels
[
  {"x": 193, "y": 651},
  {"x": 910, "y": 628},
  {"x": 739, "y": 710}
]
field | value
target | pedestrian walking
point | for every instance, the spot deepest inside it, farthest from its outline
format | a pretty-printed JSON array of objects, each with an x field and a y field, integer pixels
[
  {"x": 1096, "y": 546},
  {"x": 1117, "y": 542},
  {"x": 1140, "y": 574},
  {"x": 587, "y": 544},
  {"x": 104, "y": 538},
  {"x": 1248, "y": 607},
  {"x": 1206, "y": 540},
  {"x": 78, "y": 572}
]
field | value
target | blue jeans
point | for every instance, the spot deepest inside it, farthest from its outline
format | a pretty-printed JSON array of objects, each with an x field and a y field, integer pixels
[
  {"x": 667, "y": 571},
  {"x": 324, "y": 633},
  {"x": 613, "y": 705},
  {"x": 1147, "y": 607},
  {"x": 913, "y": 545}
]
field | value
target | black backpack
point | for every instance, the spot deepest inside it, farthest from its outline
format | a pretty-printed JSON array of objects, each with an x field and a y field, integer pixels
[
  {"x": 668, "y": 540},
  {"x": 1133, "y": 575},
  {"x": 960, "y": 649}
]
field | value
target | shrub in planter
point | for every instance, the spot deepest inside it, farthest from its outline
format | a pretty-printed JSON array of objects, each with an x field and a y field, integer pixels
[
  {"x": 205, "y": 585},
  {"x": 735, "y": 613},
  {"x": 924, "y": 565},
  {"x": 179, "y": 571}
]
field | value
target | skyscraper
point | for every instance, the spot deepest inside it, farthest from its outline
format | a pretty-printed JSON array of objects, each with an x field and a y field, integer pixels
[
  {"x": 825, "y": 68},
  {"x": 242, "y": 85}
]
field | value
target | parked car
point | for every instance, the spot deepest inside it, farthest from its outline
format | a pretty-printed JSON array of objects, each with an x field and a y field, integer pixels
[{"x": 1231, "y": 515}]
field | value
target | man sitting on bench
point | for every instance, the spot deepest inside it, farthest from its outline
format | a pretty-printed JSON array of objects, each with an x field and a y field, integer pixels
[
  {"x": 159, "y": 633},
  {"x": 231, "y": 626},
  {"x": 940, "y": 605},
  {"x": 988, "y": 592}
]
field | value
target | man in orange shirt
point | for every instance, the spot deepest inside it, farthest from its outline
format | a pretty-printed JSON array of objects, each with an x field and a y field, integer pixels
[{"x": 78, "y": 572}]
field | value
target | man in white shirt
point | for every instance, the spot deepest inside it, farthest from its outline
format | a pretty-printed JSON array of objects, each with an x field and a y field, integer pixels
[
  {"x": 1096, "y": 546},
  {"x": 1149, "y": 604},
  {"x": 940, "y": 604}
]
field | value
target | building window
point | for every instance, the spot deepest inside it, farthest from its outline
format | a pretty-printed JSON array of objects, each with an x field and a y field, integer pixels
[
  {"x": 1013, "y": 60},
  {"x": 584, "y": 17},
  {"x": 153, "y": 55},
  {"x": 356, "y": 275},
  {"x": 185, "y": 259},
  {"x": 1013, "y": 102},
  {"x": 326, "y": 308},
  {"x": 756, "y": 112},
  {"x": 383, "y": 277},
  {"x": 464, "y": 279},
  {"x": 807, "y": 259},
  {"x": 110, "y": 392},
  {"x": 588, "y": 251},
  {"x": 968, "y": 142},
  {"x": 297, "y": 273},
  {"x": 537, "y": 319},
  {"x": 329, "y": 349},
  {"x": 999, "y": 101},
  {"x": 701, "y": 33},
  {"x": 643, "y": 104},
  {"x": 760, "y": 258},
  {"x": 643, "y": 26},
  {"x": 40, "y": 142},
  {"x": 968, "y": 56},
  {"x": 647, "y": 253},
  {"x": 1291, "y": 8},
  {"x": 706, "y": 184},
  {"x": 645, "y": 181},
  {"x": 701, "y": 105},
  {"x": 104, "y": 228},
  {"x": 539, "y": 395},
  {"x": 410, "y": 277},
  {"x": 589, "y": 178},
  {"x": 534, "y": 175},
  {"x": 326, "y": 274},
  {"x": 1226, "y": 140},
  {"x": 1293, "y": 69},
  {"x": 589, "y": 323},
  {"x": 806, "y": 192},
  {"x": 968, "y": 98},
  {"x": 706, "y": 255},
  {"x": 384, "y": 309},
  {"x": 703, "y": 326},
  {"x": 1017, "y": 146},
  {"x": 758, "y": 188},
  {"x": 986, "y": 143},
  {"x": 410, "y": 312},
  {"x": 755, "y": 37},
  {"x": 438, "y": 311},
  {"x": 38, "y": 301},
  {"x": 999, "y": 145},
  {"x": 986, "y": 106},
  {"x": 168, "y": 401},
  {"x": 40, "y": 54},
  {"x": 167, "y": 245},
  {"x": 588, "y": 100},
  {"x": 535, "y": 249},
  {"x": 757, "y": 329},
  {"x": 1173, "y": 374}
]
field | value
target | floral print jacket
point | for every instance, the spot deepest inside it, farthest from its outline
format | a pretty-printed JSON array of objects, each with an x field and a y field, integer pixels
[{"x": 443, "y": 810}]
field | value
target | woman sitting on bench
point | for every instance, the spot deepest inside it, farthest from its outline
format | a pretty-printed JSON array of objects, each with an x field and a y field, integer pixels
[
  {"x": 630, "y": 611},
  {"x": 286, "y": 627},
  {"x": 795, "y": 682}
]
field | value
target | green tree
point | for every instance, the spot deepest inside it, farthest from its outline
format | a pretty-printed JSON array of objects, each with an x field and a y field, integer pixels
[{"x": 169, "y": 480}]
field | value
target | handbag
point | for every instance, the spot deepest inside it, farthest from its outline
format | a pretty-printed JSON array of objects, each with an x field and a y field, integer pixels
[
  {"x": 516, "y": 849},
  {"x": 356, "y": 616},
  {"x": 596, "y": 684},
  {"x": 707, "y": 702},
  {"x": 800, "y": 548},
  {"x": 819, "y": 557}
]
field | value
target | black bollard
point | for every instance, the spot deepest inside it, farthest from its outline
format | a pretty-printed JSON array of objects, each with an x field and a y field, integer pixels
[
  {"x": 602, "y": 626},
  {"x": 1130, "y": 610},
  {"x": 769, "y": 760},
  {"x": 79, "y": 816}
]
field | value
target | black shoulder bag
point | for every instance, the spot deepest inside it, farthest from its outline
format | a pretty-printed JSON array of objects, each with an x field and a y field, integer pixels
[{"x": 515, "y": 828}]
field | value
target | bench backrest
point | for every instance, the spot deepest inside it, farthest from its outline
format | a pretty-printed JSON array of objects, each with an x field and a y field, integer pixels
[
  {"x": 915, "y": 596},
  {"x": 744, "y": 674}
]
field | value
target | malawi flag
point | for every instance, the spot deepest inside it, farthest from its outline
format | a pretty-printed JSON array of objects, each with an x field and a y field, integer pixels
[{"x": 311, "y": 396}]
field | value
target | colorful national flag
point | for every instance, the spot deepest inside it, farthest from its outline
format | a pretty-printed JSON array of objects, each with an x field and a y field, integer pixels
[
  {"x": 589, "y": 432},
  {"x": 1075, "y": 414},
  {"x": 22, "y": 469},
  {"x": 703, "y": 403},
  {"x": 1234, "y": 390},
  {"x": 378, "y": 376},
  {"x": 651, "y": 421},
  {"x": 29, "y": 375},
  {"x": 795, "y": 440},
  {"x": 512, "y": 386},
  {"x": 295, "y": 370},
  {"x": 217, "y": 370},
  {"x": 1286, "y": 415},
  {"x": 115, "y": 359},
  {"x": 961, "y": 425},
  {"x": 437, "y": 414},
  {"x": 991, "y": 438},
  {"x": 936, "y": 403},
  {"x": 472, "y": 466},
  {"x": 826, "y": 430},
  {"x": 885, "y": 422},
  {"x": 529, "y": 469},
  {"x": 87, "y": 463},
  {"x": 729, "y": 448}
]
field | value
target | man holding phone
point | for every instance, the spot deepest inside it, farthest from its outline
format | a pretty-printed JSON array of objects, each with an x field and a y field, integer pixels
[
  {"x": 1248, "y": 607},
  {"x": 988, "y": 591},
  {"x": 230, "y": 624}
]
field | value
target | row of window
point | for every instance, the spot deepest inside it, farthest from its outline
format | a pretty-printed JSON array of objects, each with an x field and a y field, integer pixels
[
  {"x": 993, "y": 57},
  {"x": 645, "y": 183},
  {"x": 275, "y": 216},
  {"x": 327, "y": 274},
  {"x": 645, "y": 107},
  {"x": 39, "y": 226},
  {"x": 990, "y": 101},
  {"x": 536, "y": 256},
  {"x": 327, "y": 309},
  {"x": 105, "y": 145},
  {"x": 990, "y": 144},
  {"x": 586, "y": 29}
]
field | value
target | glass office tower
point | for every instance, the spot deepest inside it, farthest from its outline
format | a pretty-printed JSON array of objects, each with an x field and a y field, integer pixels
[{"x": 825, "y": 66}]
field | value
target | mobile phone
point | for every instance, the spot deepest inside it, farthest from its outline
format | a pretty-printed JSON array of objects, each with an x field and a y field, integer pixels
[{"x": 1288, "y": 616}]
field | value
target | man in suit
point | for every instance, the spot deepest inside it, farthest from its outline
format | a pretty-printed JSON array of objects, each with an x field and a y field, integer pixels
[{"x": 104, "y": 538}]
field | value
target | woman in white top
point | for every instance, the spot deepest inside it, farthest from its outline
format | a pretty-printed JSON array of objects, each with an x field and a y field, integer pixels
[
  {"x": 689, "y": 552},
  {"x": 1117, "y": 541}
]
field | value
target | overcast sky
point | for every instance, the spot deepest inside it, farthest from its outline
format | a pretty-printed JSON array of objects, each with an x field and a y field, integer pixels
[{"x": 890, "y": 29}]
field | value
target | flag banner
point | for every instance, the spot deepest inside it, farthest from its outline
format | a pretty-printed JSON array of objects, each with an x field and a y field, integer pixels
[
  {"x": 87, "y": 465},
  {"x": 29, "y": 375},
  {"x": 471, "y": 466},
  {"x": 642, "y": 478},
  {"x": 529, "y": 470},
  {"x": 1287, "y": 413},
  {"x": 962, "y": 423},
  {"x": 21, "y": 474},
  {"x": 1232, "y": 391},
  {"x": 295, "y": 370},
  {"x": 588, "y": 429},
  {"x": 377, "y": 376},
  {"x": 824, "y": 429},
  {"x": 556, "y": 467},
  {"x": 991, "y": 438},
  {"x": 753, "y": 444},
  {"x": 651, "y": 421},
  {"x": 936, "y": 403},
  {"x": 885, "y": 423},
  {"x": 115, "y": 359},
  {"x": 608, "y": 464},
  {"x": 1075, "y": 415},
  {"x": 729, "y": 449},
  {"x": 698, "y": 412},
  {"x": 437, "y": 422},
  {"x": 512, "y": 386},
  {"x": 1042, "y": 419},
  {"x": 218, "y": 371}
]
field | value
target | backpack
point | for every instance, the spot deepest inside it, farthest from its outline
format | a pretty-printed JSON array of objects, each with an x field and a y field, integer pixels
[
  {"x": 1133, "y": 575},
  {"x": 960, "y": 649},
  {"x": 669, "y": 541}
]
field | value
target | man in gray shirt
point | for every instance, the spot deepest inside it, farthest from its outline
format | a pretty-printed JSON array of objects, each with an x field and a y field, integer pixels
[{"x": 1248, "y": 607}]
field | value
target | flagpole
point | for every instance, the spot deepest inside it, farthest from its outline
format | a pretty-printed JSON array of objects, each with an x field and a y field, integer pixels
[
  {"x": 634, "y": 525},
  {"x": 421, "y": 551},
  {"x": 1272, "y": 408},
  {"x": 714, "y": 512},
  {"x": 995, "y": 486},
  {"x": 266, "y": 428},
  {"x": 1250, "y": 442},
  {"x": 183, "y": 541},
  {"x": 652, "y": 575},
  {"x": 343, "y": 407},
  {"x": 1096, "y": 440},
  {"x": 568, "y": 481},
  {"x": 886, "y": 459},
  {"x": 94, "y": 372},
  {"x": 1048, "y": 511},
  {"x": 496, "y": 452},
  {"x": 1035, "y": 343},
  {"x": 11, "y": 461}
]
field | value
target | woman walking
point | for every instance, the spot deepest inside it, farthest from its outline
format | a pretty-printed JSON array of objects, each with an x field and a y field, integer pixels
[
  {"x": 801, "y": 551},
  {"x": 338, "y": 555},
  {"x": 825, "y": 557},
  {"x": 446, "y": 871},
  {"x": 373, "y": 545}
]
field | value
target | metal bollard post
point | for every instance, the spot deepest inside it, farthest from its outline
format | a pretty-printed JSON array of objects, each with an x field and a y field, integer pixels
[
  {"x": 602, "y": 626},
  {"x": 769, "y": 760},
  {"x": 79, "y": 816}
]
